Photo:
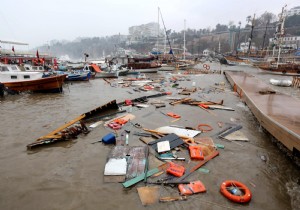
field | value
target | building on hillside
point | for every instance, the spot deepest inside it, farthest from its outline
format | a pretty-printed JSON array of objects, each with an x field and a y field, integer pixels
[
  {"x": 144, "y": 32},
  {"x": 293, "y": 11},
  {"x": 208, "y": 52},
  {"x": 244, "y": 47},
  {"x": 288, "y": 42}
]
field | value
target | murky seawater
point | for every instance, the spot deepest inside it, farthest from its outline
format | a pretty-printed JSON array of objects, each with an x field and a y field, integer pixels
[{"x": 69, "y": 175}]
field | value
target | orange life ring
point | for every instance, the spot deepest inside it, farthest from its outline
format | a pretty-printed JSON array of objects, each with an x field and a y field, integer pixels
[
  {"x": 224, "y": 189},
  {"x": 201, "y": 127}
]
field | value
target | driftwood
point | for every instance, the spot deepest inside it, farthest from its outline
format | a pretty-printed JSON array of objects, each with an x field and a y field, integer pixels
[
  {"x": 180, "y": 101},
  {"x": 197, "y": 103}
]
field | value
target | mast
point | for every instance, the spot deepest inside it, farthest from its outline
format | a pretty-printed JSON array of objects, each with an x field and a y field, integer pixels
[
  {"x": 171, "y": 51},
  {"x": 157, "y": 30},
  {"x": 251, "y": 35},
  {"x": 184, "y": 40},
  {"x": 281, "y": 32}
]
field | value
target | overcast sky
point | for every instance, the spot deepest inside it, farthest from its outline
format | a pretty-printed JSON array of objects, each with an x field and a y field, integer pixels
[{"x": 36, "y": 22}]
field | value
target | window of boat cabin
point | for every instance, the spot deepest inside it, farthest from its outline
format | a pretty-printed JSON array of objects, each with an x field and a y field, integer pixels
[
  {"x": 13, "y": 77},
  {"x": 14, "y": 68},
  {"x": 3, "y": 68},
  {"x": 26, "y": 76}
]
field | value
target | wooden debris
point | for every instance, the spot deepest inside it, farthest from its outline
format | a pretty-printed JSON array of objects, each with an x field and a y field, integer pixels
[
  {"x": 172, "y": 198},
  {"x": 148, "y": 195},
  {"x": 180, "y": 101}
]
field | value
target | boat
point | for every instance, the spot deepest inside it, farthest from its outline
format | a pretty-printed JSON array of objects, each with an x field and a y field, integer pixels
[
  {"x": 280, "y": 62},
  {"x": 235, "y": 60},
  {"x": 110, "y": 72},
  {"x": 16, "y": 80},
  {"x": 98, "y": 73},
  {"x": 76, "y": 75},
  {"x": 143, "y": 65},
  {"x": 288, "y": 68}
]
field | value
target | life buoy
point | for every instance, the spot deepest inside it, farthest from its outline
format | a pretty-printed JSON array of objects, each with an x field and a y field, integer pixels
[
  {"x": 202, "y": 126},
  {"x": 231, "y": 185},
  {"x": 206, "y": 66}
]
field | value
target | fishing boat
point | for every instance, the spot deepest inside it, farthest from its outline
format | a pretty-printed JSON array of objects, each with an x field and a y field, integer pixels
[
  {"x": 77, "y": 75},
  {"x": 16, "y": 80},
  {"x": 235, "y": 60},
  {"x": 279, "y": 62},
  {"x": 97, "y": 72},
  {"x": 285, "y": 68},
  {"x": 143, "y": 65}
]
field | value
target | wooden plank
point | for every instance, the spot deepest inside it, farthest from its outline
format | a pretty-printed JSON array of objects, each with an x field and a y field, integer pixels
[{"x": 52, "y": 134}]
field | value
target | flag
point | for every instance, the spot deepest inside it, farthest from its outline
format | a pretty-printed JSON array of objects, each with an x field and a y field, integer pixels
[
  {"x": 13, "y": 49},
  {"x": 37, "y": 54}
]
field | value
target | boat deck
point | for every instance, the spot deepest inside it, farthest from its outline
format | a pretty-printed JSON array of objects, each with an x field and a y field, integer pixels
[{"x": 278, "y": 113}]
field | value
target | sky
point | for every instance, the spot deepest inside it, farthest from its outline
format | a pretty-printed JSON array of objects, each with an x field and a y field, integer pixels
[{"x": 37, "y": 22}]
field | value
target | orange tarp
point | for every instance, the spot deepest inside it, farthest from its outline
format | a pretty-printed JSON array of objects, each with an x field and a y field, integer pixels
[{"x": 96, "y": 67}]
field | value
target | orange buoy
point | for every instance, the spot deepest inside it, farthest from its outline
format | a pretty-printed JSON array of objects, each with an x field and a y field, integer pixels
[{"x": 235, "y": 191}]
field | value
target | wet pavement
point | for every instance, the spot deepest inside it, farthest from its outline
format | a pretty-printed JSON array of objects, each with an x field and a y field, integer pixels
[{"x": 69, "y": 175}]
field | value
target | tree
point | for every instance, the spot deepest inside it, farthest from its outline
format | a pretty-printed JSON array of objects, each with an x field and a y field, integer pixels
[
  {"x": 220, "y": 28},
  {"x": 265, "y": 19},
  {"x": 292, "y": 21}
]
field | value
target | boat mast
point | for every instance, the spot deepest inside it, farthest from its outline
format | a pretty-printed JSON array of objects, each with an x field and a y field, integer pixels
[
  {"x": 157, "y": 30},
  {"x": 251, "y": 35},
  {"x": 184, "y": 40},
  {"x": 280, "y": 27},
  {"x": 171, "y": 51}
]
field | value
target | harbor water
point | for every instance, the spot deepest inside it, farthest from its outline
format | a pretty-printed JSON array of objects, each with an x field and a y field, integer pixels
[{"x": 69, "y": 175}]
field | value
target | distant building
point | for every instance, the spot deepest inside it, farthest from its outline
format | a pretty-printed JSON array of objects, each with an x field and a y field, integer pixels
[
  {"x": 293, "y": 11},
  {"x": 289, "y": 42},
  {"x": 208, "y": 52},
  {"x": 145, "y": 31},
  {"x": 244, "y": 46}
]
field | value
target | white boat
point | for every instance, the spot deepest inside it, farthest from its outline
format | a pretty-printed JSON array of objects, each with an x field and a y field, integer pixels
[
  {"x": 13, "y": 73},
  {"x": 16, "y": 80}
]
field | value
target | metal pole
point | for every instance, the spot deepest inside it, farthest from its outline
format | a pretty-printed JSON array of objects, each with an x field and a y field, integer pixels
[{"x": 184, "y": 41}]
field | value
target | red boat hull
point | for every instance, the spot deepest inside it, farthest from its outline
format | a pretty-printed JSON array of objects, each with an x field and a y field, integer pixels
[{"x": 47, "y": 84}]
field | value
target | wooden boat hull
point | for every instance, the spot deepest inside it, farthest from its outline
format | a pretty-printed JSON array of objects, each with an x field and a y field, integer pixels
[
  {"x": 47, "y": 84},
  {"x": 282, "y": 69},
  {"x": 237, "y": 61},
  {"x": 271, "y": 110}
]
